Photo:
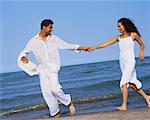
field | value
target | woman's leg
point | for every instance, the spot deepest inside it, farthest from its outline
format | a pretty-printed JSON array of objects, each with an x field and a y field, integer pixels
[
  {"x": 123, "y": 107},
  {"x": 141, "y": 92}
]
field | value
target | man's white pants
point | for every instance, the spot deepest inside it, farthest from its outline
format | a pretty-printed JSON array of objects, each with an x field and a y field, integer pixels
[{"x": 52, "y": 92}]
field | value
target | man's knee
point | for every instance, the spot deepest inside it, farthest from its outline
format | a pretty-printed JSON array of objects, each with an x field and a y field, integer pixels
[{"x": 56, "y": 90}]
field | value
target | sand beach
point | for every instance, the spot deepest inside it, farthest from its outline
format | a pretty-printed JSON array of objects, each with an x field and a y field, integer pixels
[{"x": 133, "y": 114}]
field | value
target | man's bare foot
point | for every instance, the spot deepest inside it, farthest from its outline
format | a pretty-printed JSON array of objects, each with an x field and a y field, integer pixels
[
  {"x": 57, "y": 115},
  {"x": 148, "y": 101},
  {"x": 72, "y": 109},
  {"x": 121, "y": 108}
]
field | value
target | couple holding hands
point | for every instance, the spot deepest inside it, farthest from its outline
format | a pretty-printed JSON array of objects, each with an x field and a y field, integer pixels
[{"x": 45, "y": 47}]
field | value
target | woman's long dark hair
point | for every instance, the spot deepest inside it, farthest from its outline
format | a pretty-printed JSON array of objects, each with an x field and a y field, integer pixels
[{"x": 129, "y": 25}]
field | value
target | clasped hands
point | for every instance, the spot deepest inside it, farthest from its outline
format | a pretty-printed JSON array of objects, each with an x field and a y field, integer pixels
[{"x": 87, "y": 49}]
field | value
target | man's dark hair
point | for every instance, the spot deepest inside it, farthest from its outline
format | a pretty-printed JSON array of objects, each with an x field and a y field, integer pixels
[
  {"x": 129, "y": 25},
  {"x": 46, "y": 22}
]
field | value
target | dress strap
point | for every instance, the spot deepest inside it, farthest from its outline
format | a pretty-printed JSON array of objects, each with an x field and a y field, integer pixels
[
  {"x": 118, "y": 38},
  {"x": 132, "y": 35}
]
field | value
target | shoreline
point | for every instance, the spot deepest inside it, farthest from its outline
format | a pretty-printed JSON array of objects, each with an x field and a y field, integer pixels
[{"x": 138, "y": 114}]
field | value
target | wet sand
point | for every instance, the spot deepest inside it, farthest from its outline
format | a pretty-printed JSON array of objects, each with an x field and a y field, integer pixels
[{"x": 133, "y": 114}]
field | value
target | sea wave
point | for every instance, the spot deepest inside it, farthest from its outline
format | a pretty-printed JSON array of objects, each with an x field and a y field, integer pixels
[{"x": 43, "y": 106}]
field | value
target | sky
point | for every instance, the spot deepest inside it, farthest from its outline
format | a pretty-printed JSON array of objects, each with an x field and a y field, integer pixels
[{"x": 84, "y": 22}]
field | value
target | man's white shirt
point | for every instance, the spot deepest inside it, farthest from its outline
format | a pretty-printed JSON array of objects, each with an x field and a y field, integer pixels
[{"x": 47, "y": 53}]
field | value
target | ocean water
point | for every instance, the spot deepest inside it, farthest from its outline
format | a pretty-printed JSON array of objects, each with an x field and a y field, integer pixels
[{"x": 94, "y": 87}]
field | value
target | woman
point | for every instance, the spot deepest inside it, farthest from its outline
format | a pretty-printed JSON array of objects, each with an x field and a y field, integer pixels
[{"x": 129, "y": 34}]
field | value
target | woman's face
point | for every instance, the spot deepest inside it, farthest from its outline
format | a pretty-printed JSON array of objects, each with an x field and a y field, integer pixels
[{"x": 121, "y": 28}]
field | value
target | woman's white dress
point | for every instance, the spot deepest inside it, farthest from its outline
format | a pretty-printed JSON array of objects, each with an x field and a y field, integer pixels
[{"x": 127, "y": 62}]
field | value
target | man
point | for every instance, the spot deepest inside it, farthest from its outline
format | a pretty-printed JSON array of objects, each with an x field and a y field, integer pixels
[{"x": 45, "y": 47}]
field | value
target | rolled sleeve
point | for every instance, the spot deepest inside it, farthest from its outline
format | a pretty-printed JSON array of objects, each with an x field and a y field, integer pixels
[{"x": 76, "y": 48}]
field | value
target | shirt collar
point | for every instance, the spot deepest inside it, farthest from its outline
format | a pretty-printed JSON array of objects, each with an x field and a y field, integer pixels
[{"x": 38, "y": 37}]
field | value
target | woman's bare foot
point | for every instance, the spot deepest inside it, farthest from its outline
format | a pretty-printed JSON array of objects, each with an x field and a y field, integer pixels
[
  {"x": 121, "y": 108},
  {"x": 72, "y": 109},
  {"x": 148, "y": 101}
]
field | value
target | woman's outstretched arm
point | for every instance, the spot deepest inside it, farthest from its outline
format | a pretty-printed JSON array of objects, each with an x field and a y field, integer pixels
[{"x": 104, "y": 44}]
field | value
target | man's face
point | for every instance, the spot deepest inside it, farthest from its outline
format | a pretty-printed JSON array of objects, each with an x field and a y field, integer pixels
[{"x": 48, "y": 29}]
